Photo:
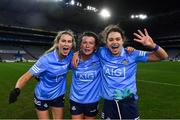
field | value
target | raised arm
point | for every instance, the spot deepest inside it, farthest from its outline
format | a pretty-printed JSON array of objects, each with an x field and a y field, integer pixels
[{"x": 158, "y": 52}]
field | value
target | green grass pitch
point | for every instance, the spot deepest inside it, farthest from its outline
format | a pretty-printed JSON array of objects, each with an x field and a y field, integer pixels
[{"x": 158, "y": 90}]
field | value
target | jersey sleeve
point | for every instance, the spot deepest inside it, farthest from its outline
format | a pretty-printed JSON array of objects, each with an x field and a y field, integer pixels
[
  {"x": 40, "y": 66},
  {"x": 140, "y": 56}
]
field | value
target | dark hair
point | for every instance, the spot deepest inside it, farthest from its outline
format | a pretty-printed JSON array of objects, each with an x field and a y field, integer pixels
[
  {"x": 89, "y": 34},
  {"x": 109, "y": 29}
]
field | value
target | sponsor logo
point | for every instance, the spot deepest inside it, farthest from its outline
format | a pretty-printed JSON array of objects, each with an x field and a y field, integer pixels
[
  {"x": 73, "y": 108},
  {"x": 86, "y": 76},
  {"x": 115, "y": 72}
]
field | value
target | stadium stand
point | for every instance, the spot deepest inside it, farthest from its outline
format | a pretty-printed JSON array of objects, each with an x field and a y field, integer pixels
[
  {"x": 32, "y": 43},
  {"x": 23, "y": 44}
]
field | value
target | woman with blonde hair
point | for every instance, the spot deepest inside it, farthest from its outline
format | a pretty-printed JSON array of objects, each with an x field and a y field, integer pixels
[{"x": 51, "y": 69}]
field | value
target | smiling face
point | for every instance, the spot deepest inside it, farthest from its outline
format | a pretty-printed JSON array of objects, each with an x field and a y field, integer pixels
[
  {"x": 65, "y": 44},
  {"x": 115, "y": 42},
  {"x": 88, "y": 45}
]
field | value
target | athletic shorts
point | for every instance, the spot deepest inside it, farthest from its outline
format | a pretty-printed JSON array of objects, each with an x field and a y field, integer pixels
[
  {"x": 89, "y": 109},
  {"x": 128, "y": 109},
  {"x": 44, "y": 104}
]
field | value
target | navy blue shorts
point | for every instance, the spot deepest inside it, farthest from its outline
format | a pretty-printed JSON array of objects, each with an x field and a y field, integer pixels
[
  {"x": 44, "y": 104},
  {"x": 89, "y": 109},
  {"x": 128, "y": 109}
]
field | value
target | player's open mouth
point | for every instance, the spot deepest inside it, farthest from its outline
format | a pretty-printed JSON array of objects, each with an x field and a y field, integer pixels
[
  {"x": 114, "y": 46},
  {"x": 87, "y": 50},
  {"x": 65, "y": 49}
]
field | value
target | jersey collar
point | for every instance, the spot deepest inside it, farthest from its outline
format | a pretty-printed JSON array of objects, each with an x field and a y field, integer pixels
[
  {"x": 56, "y": 55},
  {"x": 122, "y": 52}
]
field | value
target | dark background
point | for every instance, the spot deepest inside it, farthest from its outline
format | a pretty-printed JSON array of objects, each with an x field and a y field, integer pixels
[{"x": 52, "y": 15}]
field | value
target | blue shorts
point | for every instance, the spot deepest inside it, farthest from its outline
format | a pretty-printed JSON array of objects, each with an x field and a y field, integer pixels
[
  {"x": 127, "y": 109},
  {"x": 44, "y": 104},
  {"x": 89, "y": 109}
]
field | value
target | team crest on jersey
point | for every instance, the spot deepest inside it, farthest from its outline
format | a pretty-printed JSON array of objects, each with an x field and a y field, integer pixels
[
  {"x": 124, "y": 61},
  {"x": 94, "y": 63}
]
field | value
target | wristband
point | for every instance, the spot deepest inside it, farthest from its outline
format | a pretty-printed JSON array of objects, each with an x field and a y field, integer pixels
[{"x": 156, "y": 48}]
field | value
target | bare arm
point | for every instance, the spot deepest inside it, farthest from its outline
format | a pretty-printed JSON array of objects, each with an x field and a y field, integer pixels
[
  {"x": 158, "y": 54},
  {"x": 75, "y": 59},
  {"x": 23, "y": 80},
  {"x": 130, "y": 49},
  {"x": 20, "y": 83}
]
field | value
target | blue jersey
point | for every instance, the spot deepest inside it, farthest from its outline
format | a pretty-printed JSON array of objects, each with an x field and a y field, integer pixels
[
  {"x": 119, "y": 72},
  {"x": 51, "y": 71},
  {"x": 86, "y": 80}
]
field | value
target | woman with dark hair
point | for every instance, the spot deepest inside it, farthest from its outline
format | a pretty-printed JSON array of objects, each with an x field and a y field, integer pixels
[
  {"x": 86, "y": 78},
  {"x": 119, "y": 72}
]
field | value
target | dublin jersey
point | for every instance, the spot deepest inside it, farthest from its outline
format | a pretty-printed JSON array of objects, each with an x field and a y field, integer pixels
[
  {"x": 86, "y": 79},
  {"x": 119, "y": 72},
  {"x": 51, "y": 71}
]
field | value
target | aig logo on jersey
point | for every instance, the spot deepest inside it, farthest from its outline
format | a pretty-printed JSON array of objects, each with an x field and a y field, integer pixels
[
  {"x": 86, "y": 76},
  {"x": 114, "y": 71},
  {"x": 124, "y": 62}
]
